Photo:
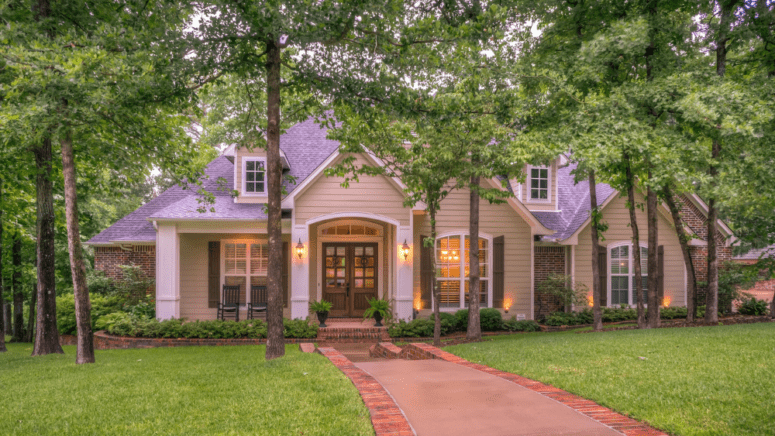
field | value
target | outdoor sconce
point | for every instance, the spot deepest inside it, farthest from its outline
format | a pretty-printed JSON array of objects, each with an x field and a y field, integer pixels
[
  {"x": 405, "y": 250},
  {"x": 299, "y": 249}
]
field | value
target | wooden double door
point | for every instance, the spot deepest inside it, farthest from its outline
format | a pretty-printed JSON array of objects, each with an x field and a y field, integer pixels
[{"x": 350, "y": 276}]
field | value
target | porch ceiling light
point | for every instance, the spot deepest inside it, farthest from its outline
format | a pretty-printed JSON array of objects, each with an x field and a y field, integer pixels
[
  {"x": 299, "y": 249},
  {"x": 405, "y": 250}
]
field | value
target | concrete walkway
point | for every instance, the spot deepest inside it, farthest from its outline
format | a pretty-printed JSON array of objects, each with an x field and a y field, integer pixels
[{"x": 443, "y": 398}]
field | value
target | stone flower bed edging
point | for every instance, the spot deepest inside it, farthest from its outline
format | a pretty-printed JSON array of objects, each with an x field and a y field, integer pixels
[
  {"x": 603, "y": 415},
  {"x": 386, "y": 417},
  {"x": 104, "y": 341}
]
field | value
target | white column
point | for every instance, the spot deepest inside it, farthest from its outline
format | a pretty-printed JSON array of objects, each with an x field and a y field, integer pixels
[
  {"x": 300, "y": 273},
  {"x": 404, "y": 277},
  {"x": 167, "y": 272}
]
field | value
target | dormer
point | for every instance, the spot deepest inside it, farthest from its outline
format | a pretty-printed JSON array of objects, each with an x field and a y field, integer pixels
[
  {"x": 250, "y": 168},
  {"x": 539, "y": 191}
]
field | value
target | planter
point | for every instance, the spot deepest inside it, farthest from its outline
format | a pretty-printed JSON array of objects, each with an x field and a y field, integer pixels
[
  {"x": 378, "y": 319},
  {"x": 322, "y": 317}
]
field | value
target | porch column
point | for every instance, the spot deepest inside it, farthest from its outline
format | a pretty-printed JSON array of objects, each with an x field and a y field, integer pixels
[
  {"x": 167, "y": 272},
  {"x": 404, "y": 294},
  {"x": 300, "y": 273}
]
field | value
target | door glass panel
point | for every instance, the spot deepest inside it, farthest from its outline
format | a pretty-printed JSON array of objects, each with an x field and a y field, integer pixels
[
  {"x": 358, "y": 283},
  {"x": 340, "y": 272},
  {"x": 329, "y": 272},
  {"x": 358, "y": 261},
  {"x": 369, "y": 272},
  {"x": 330, "y": 283},
  {"x": 329, "y": 262},
  {"x": 329, "y": 251},
  {"x": 340, "y": 283},
  {"x": 358, "y": 272},
  {"x": 369, "y": 251},
  {"x": 359, "y": 251},
  {"x": 340, "y": 251},
  {"x": 369, "y": 283}
]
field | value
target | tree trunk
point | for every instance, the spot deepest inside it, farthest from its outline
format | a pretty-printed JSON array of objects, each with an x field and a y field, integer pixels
[
  {"x": 31, "y": 319},
  {"x": 638, "y": 283},
  {"x": 2, "y": 301},
  {"x": 7, "y": 327},
  {"x": 85, "y": 339},
  {"x": 18, "y": 295},
  {"x": 436, "y": 291},
  {"x": 474, "y": 332},
  {"x": 46, "y": 335},
  {"x": 653, "y": 279},
  {"x": 275, "y": 343},
  {"x": 596, "y": 285},
  {"x": 683, "y": 238},
  {"x": 711, "y": 298}
]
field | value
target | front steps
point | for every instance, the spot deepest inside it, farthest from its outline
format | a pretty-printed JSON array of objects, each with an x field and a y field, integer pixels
[{"x": 352, "y": 337}]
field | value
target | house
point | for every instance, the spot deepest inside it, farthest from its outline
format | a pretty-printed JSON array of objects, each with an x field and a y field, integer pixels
[{"x": 350, "y": 240}]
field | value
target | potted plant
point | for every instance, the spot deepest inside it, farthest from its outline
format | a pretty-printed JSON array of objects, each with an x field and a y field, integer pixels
[
  {"x": 321, "y": 308},
  {"x": 378, "y": 309}
]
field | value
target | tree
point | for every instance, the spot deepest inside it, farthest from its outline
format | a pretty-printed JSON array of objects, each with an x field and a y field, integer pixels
[{"x": 2, "y": 288}]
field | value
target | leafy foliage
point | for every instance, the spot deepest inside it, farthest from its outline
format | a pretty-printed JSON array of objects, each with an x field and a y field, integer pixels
[
  {"x": 320, "y": 306},
  {"x": 563, "y": 287},
  {"x": 752, "y": 306}
]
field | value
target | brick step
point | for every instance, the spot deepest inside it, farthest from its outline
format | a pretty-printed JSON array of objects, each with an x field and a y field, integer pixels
[
  {"x": 355, "y": 351},
  {"x": 370, "y": 335}
]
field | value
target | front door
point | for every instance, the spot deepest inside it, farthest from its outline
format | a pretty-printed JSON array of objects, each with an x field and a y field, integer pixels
[{"x": 349, "y": 276}]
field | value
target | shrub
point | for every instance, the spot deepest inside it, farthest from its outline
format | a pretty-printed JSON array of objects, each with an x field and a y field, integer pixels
[
  {"x": 99, "y": 284},
  {"x": 752, "y": 306},
  {"x": 461, "y": 320},
  {"x": 490, "y": 320},
  {"x": 573, "y": 318},
  {"x": 616, "y": 314},
  {"x": 419, "y": 328},
  {"x": 117, "y": 323},
  {"x": 672, "y": 312},
  {"x": 299, "y": 328},
  {"x": 448, "y": 322},
  {"x": 564, "y": 289},
  {"x": 513, "y": 325}
]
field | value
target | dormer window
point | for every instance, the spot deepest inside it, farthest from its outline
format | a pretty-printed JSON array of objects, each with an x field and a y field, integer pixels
[
  {"x": 539, "y": 184},
  {"x": 254, "y": 176}
]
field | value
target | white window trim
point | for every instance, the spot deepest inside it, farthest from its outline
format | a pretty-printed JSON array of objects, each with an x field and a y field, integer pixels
[
  {"x": 247, "y": 274},
  {"x": 245, "y": 161},
  {"x": 462, "y": 235},
  {"x": 633, "y": 301},
  {"x": 368, "y": 224},
  {"x": 528, "y": 183}
]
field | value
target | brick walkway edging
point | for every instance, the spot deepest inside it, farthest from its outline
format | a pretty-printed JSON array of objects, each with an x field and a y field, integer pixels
[
  {"x": 603, "y": 415},
  {"x": 386, "y": 417}
]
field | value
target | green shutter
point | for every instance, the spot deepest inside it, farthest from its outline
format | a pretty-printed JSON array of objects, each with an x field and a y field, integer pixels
[
  {"x": 286, "y": 265},
  {"x": 426, "y": 274},
  {"x": 498, "y": 271},
  {"x": 214, "y": 274},
  {"x": 602, "y": 267}
]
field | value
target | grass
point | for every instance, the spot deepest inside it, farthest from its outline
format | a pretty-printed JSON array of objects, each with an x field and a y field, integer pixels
[
  {"x": 605, "y": 327},
  {"x": 686, "y": 381},
  {"x": 187, "y": 390}
]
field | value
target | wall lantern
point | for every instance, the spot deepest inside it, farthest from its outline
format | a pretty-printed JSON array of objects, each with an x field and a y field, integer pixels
[
  {"x": 405, "y": 250},
  {"x": 299, "y": 249}
]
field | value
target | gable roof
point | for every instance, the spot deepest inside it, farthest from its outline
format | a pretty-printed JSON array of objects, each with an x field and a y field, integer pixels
[{"x": 572, "y": 204}]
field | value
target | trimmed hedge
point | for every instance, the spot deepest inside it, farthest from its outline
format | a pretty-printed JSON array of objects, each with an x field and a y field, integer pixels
[
  {"x": 490, "y": 320},
  {"x": 124, "y": 324},
  {"x": 613, "y": 314}
]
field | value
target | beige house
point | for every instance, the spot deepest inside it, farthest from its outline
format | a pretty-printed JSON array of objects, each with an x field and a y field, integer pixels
[{"x": 346, "y": 245}]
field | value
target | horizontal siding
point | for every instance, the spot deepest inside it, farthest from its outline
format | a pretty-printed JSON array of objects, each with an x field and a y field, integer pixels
[
  {"x": 193, "y": 275},
  {"x": 495, "y": 220},
  {"x": 618, "y": 218},
  {"x": 376, "y": 195}
]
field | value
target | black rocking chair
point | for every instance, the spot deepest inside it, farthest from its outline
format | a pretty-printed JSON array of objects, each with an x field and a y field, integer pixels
[
  {"x": 229, "y": 304},
  {"x": 258, "y": 301}
]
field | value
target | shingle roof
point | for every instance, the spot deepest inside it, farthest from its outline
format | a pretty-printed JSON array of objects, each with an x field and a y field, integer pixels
[
  {"x": 754, "y": 254},
  {"x": 573, "y": 204},
  {"x": 306, "y": 148}
]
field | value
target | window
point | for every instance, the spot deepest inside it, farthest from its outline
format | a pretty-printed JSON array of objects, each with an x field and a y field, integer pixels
[
  {"x": 539, "y": 184},
  {"x": 349, "y": 229},
  {"x": 452, "y": 271},
  {"x": 254, "y": 176},
  {"x": 622, "y": 284},
  {"x": 245, "y": 264}
]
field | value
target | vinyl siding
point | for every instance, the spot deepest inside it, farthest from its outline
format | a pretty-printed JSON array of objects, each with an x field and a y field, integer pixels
[
  {"x": 377, "y": 195},
  {"x": 618, "y": 218},
  {"x": 495, "y": 220},
  {"x": 193, "y": 274}
]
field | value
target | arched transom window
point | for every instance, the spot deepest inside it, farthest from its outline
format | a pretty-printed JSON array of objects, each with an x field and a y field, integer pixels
[
  {"x": 622, "y": 273},
  {"x": 354, "y": 228},
  {"x": 452, "y": 270}
]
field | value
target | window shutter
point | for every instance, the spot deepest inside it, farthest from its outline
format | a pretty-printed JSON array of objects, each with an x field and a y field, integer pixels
[
  {"x": 426, "y": 273},
  {"x": 286, "y": 261},
  {"x": 214, "y": 274},
  {"x": 661, "y": 273},
  {"x": 498, "y": 267},
  {"x": 602, "y": 266}
]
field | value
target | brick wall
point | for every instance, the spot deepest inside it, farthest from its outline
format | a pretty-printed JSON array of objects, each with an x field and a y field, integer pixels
[
  {"x": 698, "y": 223},
  {"x": 109, "y": 259},
  {"x": 548, "y": 260}
]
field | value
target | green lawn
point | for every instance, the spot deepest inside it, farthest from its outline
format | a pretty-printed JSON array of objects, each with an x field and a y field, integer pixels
[
  {"x": 693, "y": 381},
  {"x": 189, "y": 390}
]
